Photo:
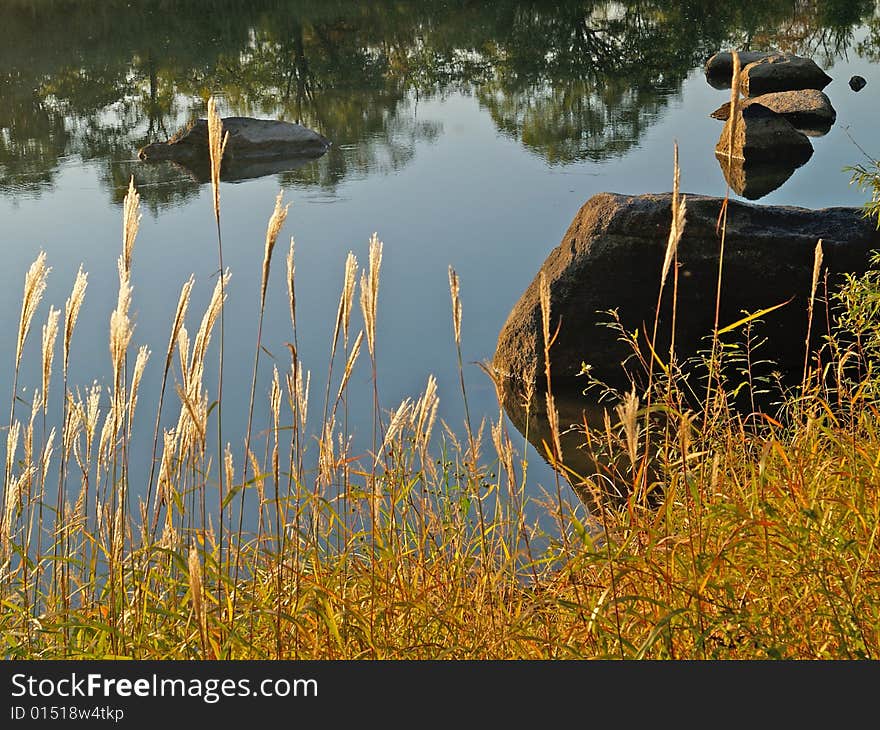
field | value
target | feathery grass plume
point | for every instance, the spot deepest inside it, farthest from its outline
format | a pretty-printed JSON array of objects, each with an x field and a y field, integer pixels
[
  {"x": 12, "y": 437},
  {"x": 553, "y": 419},
  {"x": 139, "y": 365},
  {"x": 118, "y": 540},
  {"x": 343, "y": 312},
  {"x": 216, "y": 147},
  {"x": 131, "y": 220},
  {"x": 425, "y": 414},
  {"x": 276, "y": 220},
  {"x": 177, "y": 323},
  {"x": 291, "y": 284},
  {"x": 400, "y": 417},
  {"x": 71, "y": 310},
  {"x": 627, "y": 412},
  {"x": 120, "y": 337},
  {"x": 15, "y": 491},
  {"x": 34, "y": 286},
  {"x": 349, "y": 366},
  {"x": 455, "y": 294},
  {"x": 228, "y": 466},
  {"x": 734, "y": 102},
  {"x": 46, "y": 458},
  {"x": 50, "y": 332},
  {"x": 370, "y": 292},
  {"x": 203, "y": 335},
  {"x": 817, "y": 268},
  {"x": 196, "y": 589},
  {"x": 544, "y": 298},
  {"x": 676, "y": 228}
]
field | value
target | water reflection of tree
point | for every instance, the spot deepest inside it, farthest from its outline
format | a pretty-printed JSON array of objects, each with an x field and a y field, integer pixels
[{"x": 570, "y": 79}]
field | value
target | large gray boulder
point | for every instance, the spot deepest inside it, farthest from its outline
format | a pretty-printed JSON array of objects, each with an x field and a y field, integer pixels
[
  {"x": 808, "y": 110},
  {"x": 782, "y": 72},
  {"x": 249, "y": 140},
  {"x": 611, "y": 258},
  {"x": 761, "y": 135}
]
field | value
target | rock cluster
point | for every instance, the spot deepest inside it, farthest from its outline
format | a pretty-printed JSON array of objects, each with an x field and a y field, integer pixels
[{"x": 784, "y": 105}]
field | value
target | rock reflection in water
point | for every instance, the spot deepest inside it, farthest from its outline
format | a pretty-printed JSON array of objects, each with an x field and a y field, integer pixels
[
  {"x": 592, "y": 471},
  {"x": 755, "y": 180}
]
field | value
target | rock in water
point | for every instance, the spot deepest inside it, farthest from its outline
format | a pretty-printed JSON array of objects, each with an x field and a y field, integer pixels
[
  {"x": 719, "y": 68},
  {"x": 782, "y": 72},
  {"x": 808, "y": 110},
  {"x": 857, "y": 83},
  {"x": 762, "y": 135},
  {"x": 249, "y": 139},
  {"x": 611, "y": 258}
]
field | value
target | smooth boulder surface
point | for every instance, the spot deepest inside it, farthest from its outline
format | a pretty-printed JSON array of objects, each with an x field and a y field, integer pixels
[
  {"x": 808, "y": 110},
  {"x": 782, "y": 72},
  {"x": 761, "y": 135},
  {"x": 249, "y": 139},
  {"x": 611, "y": 258},
  {"x": 719, "y": 68}
]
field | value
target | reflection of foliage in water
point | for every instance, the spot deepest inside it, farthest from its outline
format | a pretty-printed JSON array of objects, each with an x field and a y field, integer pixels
[{"x": 569, "y": 79}]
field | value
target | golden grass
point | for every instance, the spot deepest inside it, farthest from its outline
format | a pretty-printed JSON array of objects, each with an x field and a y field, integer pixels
[{"x": 429, "y": 546}]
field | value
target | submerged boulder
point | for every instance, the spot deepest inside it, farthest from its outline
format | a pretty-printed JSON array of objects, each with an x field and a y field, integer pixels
[
  {"x": 249, "y": 139},
  {"x": 762, "y": 135},
  {"x": 808, "y": 110},
  {"x": 611, "y": 258},
  {"x": 782, "y": 72}
]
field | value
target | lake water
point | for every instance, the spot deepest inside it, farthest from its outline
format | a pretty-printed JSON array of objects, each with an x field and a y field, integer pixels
[{"x": 464, "y": 135}]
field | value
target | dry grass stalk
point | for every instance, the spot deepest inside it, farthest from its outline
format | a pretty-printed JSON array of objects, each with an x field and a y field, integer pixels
[
  {"x": 370, "y": 292},
  {"x": 627, "y": 412},
  {"x": 676, "y": 228},
  {"x": 349, "y": 365},
  {"x": 279, "y": 214},
  {"x": 343, "y": 313},
  {"x": 209, "y": 319},
  {"x": 50, "y": 333},
  {"x": 291, "y": 284},
  {"x": 71, "y": 311},
  {"x": 139, "y": 366},
  {"x": 34, "y": 286},
  {"x": 131, "y": 220},
  {"x": 734, "y": 102},
  {"x": 216, "y": 147},
  {"x": 455, "y": 294},
  {"x": 196, "y": 588}
]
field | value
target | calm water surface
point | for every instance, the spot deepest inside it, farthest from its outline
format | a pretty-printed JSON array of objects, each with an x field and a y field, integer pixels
[{"x": 463, "y": 135}]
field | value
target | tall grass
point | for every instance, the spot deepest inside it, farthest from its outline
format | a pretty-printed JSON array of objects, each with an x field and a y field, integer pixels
[{"x": 761, "y": 543}]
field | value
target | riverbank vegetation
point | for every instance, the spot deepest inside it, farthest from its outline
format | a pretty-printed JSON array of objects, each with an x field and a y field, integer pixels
[{"x": 747, "y": 533}]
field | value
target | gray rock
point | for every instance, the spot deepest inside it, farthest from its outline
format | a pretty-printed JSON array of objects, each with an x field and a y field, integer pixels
[
  {"x": 857, "y": 83},
  {"x": 782, "y": 72},
  {"x": 611, "y": 257},
  {"x": 249, "y": 140},
  {"x": 762, "y": 135},
  {"x": 719, "y": 68},
  {"x": 808, "y": 110}
]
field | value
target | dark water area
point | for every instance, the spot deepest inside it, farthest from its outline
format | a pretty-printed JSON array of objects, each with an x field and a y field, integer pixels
[{"x": 464, "y": 134}]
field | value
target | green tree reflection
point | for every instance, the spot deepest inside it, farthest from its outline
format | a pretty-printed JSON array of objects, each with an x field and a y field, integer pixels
[{"x": 570, "y": 80}]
